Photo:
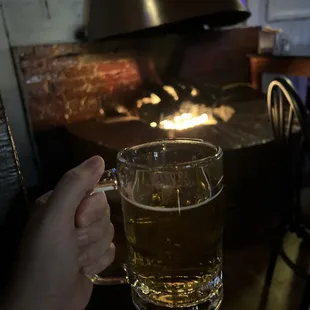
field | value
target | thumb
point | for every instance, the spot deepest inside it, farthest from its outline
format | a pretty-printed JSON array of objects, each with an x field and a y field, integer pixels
[{"x": 74, "y": 185}]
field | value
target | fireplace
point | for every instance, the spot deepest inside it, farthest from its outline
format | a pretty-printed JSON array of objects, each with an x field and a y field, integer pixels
[
  {"x": 169, "y": 84},
  {"x": 96, "y": 98}
]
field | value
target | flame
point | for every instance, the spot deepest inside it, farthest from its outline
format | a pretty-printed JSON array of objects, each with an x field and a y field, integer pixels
[
  {"x": 171, "y": 91},
  {"x": 191, "y": 115},
  {"x": 153, "y": 99},
  {"x": 185, "y": 121},
  {"x": 194, "y": 92}
]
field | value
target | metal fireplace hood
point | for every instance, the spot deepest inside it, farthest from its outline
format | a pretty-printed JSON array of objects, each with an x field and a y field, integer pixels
[{"x": 117, "y": 17}]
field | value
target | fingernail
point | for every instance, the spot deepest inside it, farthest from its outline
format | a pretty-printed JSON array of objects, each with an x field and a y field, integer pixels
[{"x": 93, "y": 163}]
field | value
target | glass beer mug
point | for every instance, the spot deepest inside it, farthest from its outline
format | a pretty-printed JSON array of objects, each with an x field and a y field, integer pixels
[{"x": 173, "y": 220}]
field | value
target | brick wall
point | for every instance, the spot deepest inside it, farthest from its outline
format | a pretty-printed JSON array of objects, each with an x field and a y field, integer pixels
[{"x": 67, "y": 83}]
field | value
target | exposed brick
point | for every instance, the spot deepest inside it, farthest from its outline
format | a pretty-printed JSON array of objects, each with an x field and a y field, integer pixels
[
  {"x": 67, "y": 48},
  {"x": 35, "y": 76},
  {"x": 86, "y": 70},
  {"x": 133, "y": 78},
  {"x": 70, "y": 82},
  {"x": 112, "y": 67},
  {"x": 47, "y": 100},
  {"x": 48, "y": 66},
  {"x": 96, "y": 81},
  {"x": 75, "y": 106},
  {"x": 33, "y": 64},
  {"x": 75, "y": 72},
  {"x": 38, "y": 89},
  {"x": 87, "y": 105},
  {"x": 50, "y": 51},
  {"x": 63, "y": 49},
  {"x": 25, "y": 52},
  {"x": 72, "y": 94},
  {"x": 62, "y": 63},
  {"x": 46, "y": 109},
  {"x": 44, "y": 51},
  {"x": 96, "y": 89},
  {"x": 61, "y": 86},
  {"x": 92, "y": 102}
]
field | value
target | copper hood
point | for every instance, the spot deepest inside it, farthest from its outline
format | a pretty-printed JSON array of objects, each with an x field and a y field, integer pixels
[{"x": 115, "y": 17}]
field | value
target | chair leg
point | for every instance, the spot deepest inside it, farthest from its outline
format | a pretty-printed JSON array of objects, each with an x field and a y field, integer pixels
[
  {"x": 271, "y": 266},
  {"x": 305, "y": 303},
  {"x": 274, "y": 257}
]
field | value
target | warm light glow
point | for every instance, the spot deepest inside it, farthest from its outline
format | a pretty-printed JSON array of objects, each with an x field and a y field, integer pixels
[
  {"x": 171, "y": 91},
  {"x": 185, "y": 121},
  {"x": 194, "y": 92},
  {"x": 153, "y": 13},
  {"x": 122, "y": 110},
  {"x": 192, "y": 114},
  {"x": 153, "y": 99}
]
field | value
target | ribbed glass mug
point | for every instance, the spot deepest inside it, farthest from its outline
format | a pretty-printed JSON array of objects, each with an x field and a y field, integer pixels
[{"x": 173, "y": 220}]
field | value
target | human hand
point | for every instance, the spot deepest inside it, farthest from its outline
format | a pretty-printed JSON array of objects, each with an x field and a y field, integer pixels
[{"x": 69, "y": 234}]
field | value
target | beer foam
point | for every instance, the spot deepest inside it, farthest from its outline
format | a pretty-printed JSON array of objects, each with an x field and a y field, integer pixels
[{"x": 176, "y": 209}]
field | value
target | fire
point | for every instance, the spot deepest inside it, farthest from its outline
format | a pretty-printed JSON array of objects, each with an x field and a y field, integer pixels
[
  {"x": 184, "y": 121},
  {"x": 189, "y": 115},
  {"x": 192, "y": 115}
]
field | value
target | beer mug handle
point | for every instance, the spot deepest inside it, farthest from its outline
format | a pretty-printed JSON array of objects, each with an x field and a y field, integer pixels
[{"x": 108, "y": 182}]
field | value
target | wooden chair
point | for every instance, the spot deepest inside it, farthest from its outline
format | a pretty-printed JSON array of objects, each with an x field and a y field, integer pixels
[{"x": 286, "y": 110}]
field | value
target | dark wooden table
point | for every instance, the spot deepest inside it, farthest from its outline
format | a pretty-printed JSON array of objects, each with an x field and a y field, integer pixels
[
  {"x": 249, "y": 126},
  {"x": 286, "y": 65}
]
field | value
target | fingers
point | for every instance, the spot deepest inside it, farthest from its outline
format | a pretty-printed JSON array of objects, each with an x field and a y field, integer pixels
[
  {"x": 96, "y": 232},
  {"x": 41, "y": 201},
  {"x": 92, "y": 209},
  {"x": 101, "y": 263},
  {"x": 93, "y": 251},
  {"x": 74, "y": 185}
]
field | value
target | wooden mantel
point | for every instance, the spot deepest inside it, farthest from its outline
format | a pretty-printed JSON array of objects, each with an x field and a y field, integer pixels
[{"x": 288, "y": 65}]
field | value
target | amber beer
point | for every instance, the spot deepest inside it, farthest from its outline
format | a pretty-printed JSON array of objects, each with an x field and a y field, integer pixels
[
  {"x": 175, "y": 255},
  {"x": 173, "y": 218}
]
